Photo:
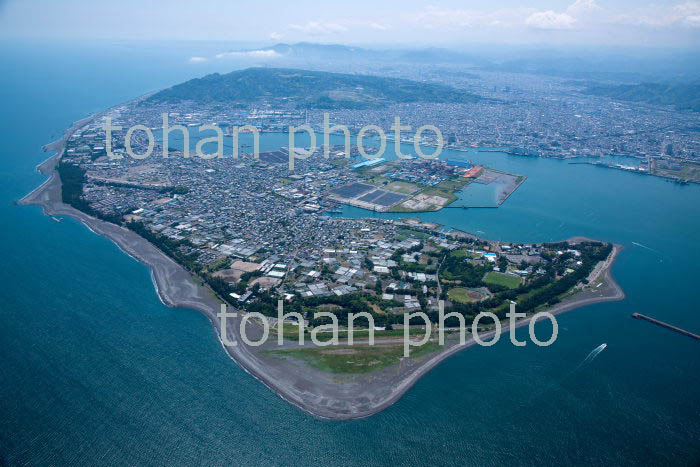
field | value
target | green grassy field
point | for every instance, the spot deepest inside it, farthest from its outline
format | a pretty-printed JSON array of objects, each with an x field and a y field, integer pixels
[
  {"x": 222, "y": 263},
  {"x": 460, "y": 295},
  {"x": 454, "y": 184},
  {"x": 354, "y": 359},
  {"x": 444, "y": 193},
  {"x": 289, "y": 331},
  {"x": 402, "y": 187},
  {"x": 498, "y": 278},
  {"x": 463, "y": 253}
]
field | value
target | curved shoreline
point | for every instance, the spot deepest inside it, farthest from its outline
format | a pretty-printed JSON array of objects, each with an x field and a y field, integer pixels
[{"x": 308, "y": 390}]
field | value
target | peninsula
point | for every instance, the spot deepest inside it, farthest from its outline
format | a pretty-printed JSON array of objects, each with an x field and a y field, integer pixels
[{"x": 246, "y": 232}]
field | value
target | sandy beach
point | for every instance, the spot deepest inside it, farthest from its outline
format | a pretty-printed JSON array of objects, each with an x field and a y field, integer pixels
[{"x": 318, "y": 393}]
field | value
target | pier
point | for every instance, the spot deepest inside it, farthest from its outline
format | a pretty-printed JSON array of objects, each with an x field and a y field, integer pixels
[{"x": 665, "y": 325}]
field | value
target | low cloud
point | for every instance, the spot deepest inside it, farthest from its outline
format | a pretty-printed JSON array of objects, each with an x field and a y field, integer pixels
[
  {"x": 323, "y": 28},
  {"x": 688, "y": 13},
  {"x": 655, "y": 16},
  {"x": 263, "y": 53},
  {"x": 550, "y": 20},
  {"x": 433, "y": 17},
  {"x": 318, "y": 28},
  {"x": 379, "y": 26},
  {"x": 583, "y": 7},
  {"x": 198, "y": 59}
]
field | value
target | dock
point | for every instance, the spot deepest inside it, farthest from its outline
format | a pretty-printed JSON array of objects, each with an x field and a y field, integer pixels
[{"x": 665, "y": 325}]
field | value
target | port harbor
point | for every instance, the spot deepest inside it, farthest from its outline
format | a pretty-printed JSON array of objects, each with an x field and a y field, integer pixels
[
  {"x": 665, "y": 325},
  {"x": 417, "y": 185},
  {"x": 662, "y": 168},
  {"x": 407, "y": 185}
]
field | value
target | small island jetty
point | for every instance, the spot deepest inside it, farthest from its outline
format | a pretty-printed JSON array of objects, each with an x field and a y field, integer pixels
[{"x": 665, "y": 325}]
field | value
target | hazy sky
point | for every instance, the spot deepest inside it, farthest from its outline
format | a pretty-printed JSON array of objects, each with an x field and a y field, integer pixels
[{"x": 407, "y": 22}]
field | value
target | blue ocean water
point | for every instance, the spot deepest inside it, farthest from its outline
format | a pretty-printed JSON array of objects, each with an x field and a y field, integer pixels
[{"x": 95, "y": 370}]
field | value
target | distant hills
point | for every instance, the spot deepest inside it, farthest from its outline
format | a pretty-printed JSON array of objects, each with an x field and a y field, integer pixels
[
  {"x": 309, "y": 50},
  {"x": 616, "y": 64},
  {"x": 310, "y": 89},
  {"x": 680, "y": 95}
]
